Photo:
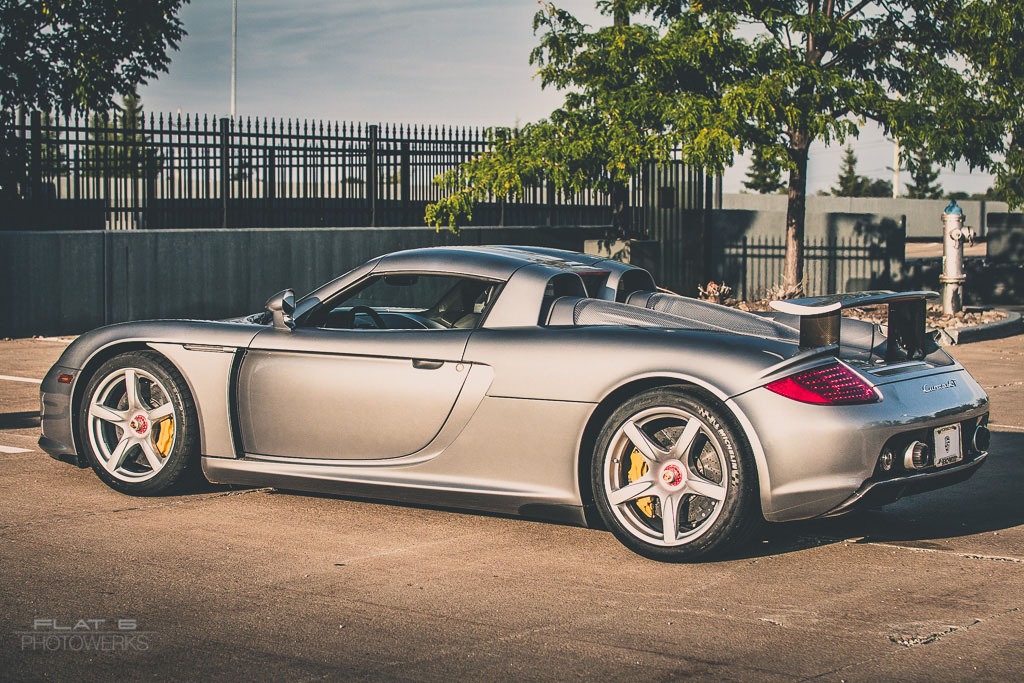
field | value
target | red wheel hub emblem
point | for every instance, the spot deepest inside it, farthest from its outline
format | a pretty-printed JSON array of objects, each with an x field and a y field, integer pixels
[
  {"x": 140, "y": 424},
  {"x": 672, "y": 475}
]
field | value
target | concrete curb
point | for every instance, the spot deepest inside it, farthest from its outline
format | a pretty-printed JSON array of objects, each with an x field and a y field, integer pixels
[{"x": 997, "y": 330}]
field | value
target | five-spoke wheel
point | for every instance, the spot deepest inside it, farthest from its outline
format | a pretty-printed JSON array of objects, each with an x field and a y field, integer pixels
[
  {"x": 671, "y": 479},
  {"x": 137, "y": 423}
]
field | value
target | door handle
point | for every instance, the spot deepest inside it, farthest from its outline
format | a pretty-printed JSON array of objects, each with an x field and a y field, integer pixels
[{"x": 426, "y": 364}]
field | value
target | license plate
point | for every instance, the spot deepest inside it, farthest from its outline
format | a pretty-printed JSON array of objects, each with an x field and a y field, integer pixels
[{"x": 947, "y": 445}]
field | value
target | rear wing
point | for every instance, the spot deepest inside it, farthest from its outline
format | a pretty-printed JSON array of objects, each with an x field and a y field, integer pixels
[{"x": 820, "y": 318}]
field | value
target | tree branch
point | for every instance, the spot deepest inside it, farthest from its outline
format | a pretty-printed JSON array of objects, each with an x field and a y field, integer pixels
[{"x": 856, "y": 8}]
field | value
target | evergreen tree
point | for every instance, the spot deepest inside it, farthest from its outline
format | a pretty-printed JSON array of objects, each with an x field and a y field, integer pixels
[
  {"x": 120, "y": 149},
  {"x": 53, "y": 162},
  {"x": 874, "y": 187},
  {"x": 923, "y": 175},
  {"x": 850, "y": 183},
  {"x": 765, "y": 173}
]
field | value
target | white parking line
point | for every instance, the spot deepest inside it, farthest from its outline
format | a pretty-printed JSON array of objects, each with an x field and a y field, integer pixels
[
  {"x": 1012, "y": 428},
  {"x": 12, "y": 449},
  {"x": 21, "y": 379}
]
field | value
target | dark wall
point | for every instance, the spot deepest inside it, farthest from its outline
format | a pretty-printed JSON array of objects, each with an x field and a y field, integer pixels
[
  {"x": 1005, "y": 243},
  {"x": 68, "y": 282}
]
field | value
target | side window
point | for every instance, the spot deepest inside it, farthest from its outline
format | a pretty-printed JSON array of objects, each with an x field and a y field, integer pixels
[{"x": 408, "y": 301}]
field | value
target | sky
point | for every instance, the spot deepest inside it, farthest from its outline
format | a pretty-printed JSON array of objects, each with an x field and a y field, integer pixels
[{"x": 450, "y": 62}]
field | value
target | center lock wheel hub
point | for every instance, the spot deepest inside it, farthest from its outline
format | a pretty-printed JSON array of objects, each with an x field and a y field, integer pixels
[
  {"x": 673, "y": 475},
  {"x": 139, "y": 424}
]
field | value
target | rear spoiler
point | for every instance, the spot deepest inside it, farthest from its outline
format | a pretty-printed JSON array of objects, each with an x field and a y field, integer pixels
[{"x": 820, "y": 318}]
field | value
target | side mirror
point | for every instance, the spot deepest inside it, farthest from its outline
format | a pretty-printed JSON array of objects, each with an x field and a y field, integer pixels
[{"x": 281, "y": 306}]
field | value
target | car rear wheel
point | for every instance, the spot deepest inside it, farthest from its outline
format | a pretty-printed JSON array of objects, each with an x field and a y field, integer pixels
[
  {"x": 673, "y": 479},
  {"x": 138, "y": 424}
]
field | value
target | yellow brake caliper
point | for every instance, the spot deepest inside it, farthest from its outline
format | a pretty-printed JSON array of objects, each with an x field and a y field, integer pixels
[
  {"x": 637, "y": 469},
  {"x": 163, "y": 441}
]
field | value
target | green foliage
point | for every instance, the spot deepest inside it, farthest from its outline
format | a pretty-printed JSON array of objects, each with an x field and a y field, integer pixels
[
  {"x": 923, "y": 175},
  {"x": 713, "y": 79},
  {"x": 66, "y": 55},
  {"x": 991, "y": 37},
  {"x": 764, "y": 174},
  {"x": 120, "y": 149},
  {"x": 850, "y": 184},
  {"x": 876, "y": 187},
  {"x": 52, "y": 160},
  {"x": 77, "y": 55}
]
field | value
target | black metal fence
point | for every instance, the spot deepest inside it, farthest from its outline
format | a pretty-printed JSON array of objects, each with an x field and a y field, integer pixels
[
  {"x": 127, "y": 172},
  {"x": 752, "y": 265}
]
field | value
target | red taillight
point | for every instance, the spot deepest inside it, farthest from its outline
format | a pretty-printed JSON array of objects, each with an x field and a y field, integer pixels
[{"x": 834, "y": 385}]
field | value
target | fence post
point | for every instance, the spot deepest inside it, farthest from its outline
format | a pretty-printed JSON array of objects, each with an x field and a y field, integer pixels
[
  {"x": 225, "y": 170},
  {"x": 406, "y": 174},
  {"x": 35, "y": 173},
  {"x": 832, "y": 264},
  {"x": 271, "y": 177},
  {"x": 551, "y": 201},
  {"x": 371, "y": 173},
  {"x": 743, "y": 267}
]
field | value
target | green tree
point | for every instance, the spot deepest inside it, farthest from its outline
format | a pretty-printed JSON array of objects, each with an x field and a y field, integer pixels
[
  {"x": 53, "y": 161},
  {"x": 76, "y": 55},
  {"x": 711, "y": 79},
  {"x": 991, "y": 37},
  {"x": 923, "y": 175},
  {"x": 875, "y": 187},
  {"x": 119, "y": 147},
  {"x": 849, "y": 183},
  {"x": 765, "y": 173}
]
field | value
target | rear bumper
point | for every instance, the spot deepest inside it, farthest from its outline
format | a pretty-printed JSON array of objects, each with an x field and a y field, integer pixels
[
  {"x": 816, "y": 458},
  {"x": 875, "y": 493}
]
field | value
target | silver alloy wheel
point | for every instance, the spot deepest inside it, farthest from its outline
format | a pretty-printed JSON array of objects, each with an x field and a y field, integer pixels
[
  {"x": 126, "y": 412},
  {"x": 682, "y": 482}
]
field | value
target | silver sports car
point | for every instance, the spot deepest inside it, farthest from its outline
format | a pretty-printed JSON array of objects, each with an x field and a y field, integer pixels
[{"x": 537, "y": 382}]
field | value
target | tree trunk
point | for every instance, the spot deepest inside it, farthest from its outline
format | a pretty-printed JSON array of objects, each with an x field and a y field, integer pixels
[
  {"x": 622, "y": 219},
  {"x": 622, "y": 216},
  {"x": 793, "y": 275}
]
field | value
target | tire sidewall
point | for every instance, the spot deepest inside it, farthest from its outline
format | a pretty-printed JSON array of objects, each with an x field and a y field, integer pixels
[
  {"x": 183, "y": 451},
  {"x": 740, "y": 510}
]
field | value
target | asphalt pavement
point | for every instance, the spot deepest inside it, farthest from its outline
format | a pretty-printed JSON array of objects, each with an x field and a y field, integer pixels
[{"x": 261, "y": 584}]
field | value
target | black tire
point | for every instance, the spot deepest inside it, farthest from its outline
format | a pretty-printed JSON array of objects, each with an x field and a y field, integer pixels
[
  {"x": 127, "y": 442},
  {"x": 665, "y": 443}
]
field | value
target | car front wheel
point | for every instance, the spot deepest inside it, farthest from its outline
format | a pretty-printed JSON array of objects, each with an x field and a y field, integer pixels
[
  {"x": 673, "y": 479},
  {"x": 138, "y": 424}
]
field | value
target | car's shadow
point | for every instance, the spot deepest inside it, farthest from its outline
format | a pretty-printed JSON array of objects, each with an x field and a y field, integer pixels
[
  {"x": 26, "y": 419},
  {"x": 989, "y": 501}
]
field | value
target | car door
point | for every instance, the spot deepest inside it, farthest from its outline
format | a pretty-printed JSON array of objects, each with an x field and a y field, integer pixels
[{"x": 348, "y": 394}]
